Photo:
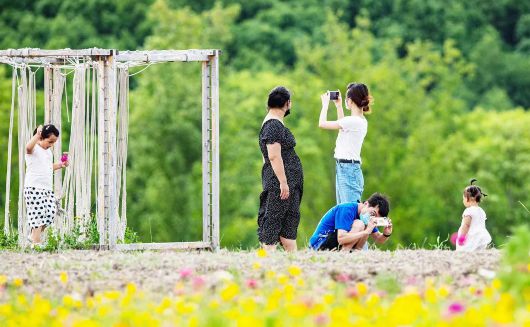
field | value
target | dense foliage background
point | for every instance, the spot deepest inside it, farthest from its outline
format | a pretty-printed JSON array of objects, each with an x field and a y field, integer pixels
[{"x": 450, "y": 81}]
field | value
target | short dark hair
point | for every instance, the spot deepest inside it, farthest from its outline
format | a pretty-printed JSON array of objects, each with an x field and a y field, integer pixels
[
  {"x": 359, "y": 94},
  {"x": 380, "y": 201},
  {"x": 47, "y": 131},
  {"x": 278, "y": 97}
]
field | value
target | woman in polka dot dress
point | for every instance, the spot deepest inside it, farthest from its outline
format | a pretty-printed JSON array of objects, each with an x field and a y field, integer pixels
[{"x": 38, "y": 183}]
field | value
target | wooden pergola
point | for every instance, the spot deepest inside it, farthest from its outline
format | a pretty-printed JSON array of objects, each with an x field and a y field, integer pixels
[{"x": 107, "y": 62}]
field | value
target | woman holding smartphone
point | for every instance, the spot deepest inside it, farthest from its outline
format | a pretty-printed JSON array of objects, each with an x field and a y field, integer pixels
[{"x": 352, "y": 130}]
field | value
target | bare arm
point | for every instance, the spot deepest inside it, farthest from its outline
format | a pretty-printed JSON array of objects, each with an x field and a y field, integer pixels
[
  {"x": 275, "y": 156},
  {"x": 33, "y": 141},
  {"x": 59, "y": 165},
  {"x": 379, "y": 238},
  {"x": 464, "y": 227},
  {"x": 323, "y": 119}
]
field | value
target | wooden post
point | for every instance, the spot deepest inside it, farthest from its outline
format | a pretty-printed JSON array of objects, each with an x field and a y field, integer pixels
[
  {"x": 215, "y": 145},
  {"x": 111, "y": 200},
  {"x": 100, "y": 211},
  {"x": 206, "y": 154}
]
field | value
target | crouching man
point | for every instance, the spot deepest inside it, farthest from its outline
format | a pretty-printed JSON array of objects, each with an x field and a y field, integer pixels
[{"x": 347, "y": 226}]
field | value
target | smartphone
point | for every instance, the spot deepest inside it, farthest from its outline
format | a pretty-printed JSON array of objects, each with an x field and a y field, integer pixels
[
  {"x": 333, "y": 95},
  {"x": 381, "y": 221}
]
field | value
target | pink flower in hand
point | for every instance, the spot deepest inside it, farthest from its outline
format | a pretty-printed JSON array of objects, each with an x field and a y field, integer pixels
[
  {"x": 461, "y": 239},
  {"x": 453, "y": 238}
]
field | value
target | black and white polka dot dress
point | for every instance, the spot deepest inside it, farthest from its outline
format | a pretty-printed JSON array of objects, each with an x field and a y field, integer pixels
[
  {"x": 276, "y": 217},
  {"x": 40, "y": 206},
  {"x": 38, "y": 188}
]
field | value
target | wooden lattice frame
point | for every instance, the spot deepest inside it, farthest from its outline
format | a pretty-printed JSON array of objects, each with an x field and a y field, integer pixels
[{"x": 107, "y": 60}]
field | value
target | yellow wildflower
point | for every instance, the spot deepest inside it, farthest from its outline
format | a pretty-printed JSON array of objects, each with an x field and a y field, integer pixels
[
  {"x": 430, "y": 295},
  {"x": 63, "y": 277},
  {"x": 256, "y": 265},
  {"x": 18, "y": 282},
  {"x": 294, "y": 271},
  {"x": 362, "y": 289},
  {"x": 443, "y": 292},
  {"x": 496, "y": 284},
  {"x": 262, "y": 253},
  {"x": 229, "y": 292}
]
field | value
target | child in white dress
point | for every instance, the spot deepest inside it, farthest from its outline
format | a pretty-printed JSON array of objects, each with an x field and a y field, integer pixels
[{"x": 472, "y": 234}]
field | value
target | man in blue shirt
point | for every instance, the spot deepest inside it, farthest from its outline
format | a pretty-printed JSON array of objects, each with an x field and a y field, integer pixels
[{"x": 347, "y": 226}]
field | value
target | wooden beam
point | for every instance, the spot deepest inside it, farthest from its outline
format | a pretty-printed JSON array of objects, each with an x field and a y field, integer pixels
[
  {"x": 29, "y": 61},
  {"x": 164, "y": 55},
  {"x": 164, "y": 246},
  {"x": 35, "y": 52}
]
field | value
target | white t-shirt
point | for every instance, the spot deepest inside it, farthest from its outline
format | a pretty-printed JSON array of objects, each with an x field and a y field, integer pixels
[
  {"x": 39, "y": 169},
  {"x": 478, "y": 237},
  {"x": 351, "y": 136}
]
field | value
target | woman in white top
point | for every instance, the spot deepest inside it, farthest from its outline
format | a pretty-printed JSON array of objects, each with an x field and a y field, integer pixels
[
  {"x": 472, "y": 234},
  {"x": 38, "y": 182},
  {"x": 352, "y": 130}
]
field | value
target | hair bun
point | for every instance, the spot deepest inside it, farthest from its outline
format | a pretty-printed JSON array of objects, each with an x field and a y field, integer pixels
[
  {"x": 365, "y": 102},
  {"x": 473, "y": 180}
]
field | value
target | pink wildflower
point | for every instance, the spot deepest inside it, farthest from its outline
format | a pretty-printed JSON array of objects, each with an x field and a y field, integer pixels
[
  {"x": 252, "y": 283},
  {"x": 456, "y": 308},
  {"x": 185, "y": 273}
]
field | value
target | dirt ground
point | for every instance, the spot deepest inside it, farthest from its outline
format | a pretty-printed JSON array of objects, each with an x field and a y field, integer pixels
[{"x": 158, "y": 272}]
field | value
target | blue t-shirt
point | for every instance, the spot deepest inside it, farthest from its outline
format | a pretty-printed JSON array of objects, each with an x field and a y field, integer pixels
[{"x": 339, "y": 217}]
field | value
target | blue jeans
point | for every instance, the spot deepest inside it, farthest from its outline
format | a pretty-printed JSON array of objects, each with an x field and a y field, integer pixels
[{"x": 349, "y": 183}]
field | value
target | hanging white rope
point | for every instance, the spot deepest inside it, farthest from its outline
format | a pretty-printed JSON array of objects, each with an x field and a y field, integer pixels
[
  {"x": 122, "y": 143},
  {"x": 7, "y": 224},
  {"x": 26, "y": 125}
]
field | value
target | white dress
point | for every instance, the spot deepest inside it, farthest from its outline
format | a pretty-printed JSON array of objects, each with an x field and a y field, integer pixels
[{"x": 478, "y": 237}]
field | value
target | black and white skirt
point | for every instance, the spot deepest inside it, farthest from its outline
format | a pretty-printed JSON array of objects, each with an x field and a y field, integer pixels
[{"x": 40, "y": 206}]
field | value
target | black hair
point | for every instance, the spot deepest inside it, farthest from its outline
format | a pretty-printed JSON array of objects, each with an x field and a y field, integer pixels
[
  {"x": 278, "y": 97},
  {"x": 473, "y": 191},
  {"x": 358, "y": 93},
  {"x": 47, "y": 131},
  {"x": 380, "y": 201}
]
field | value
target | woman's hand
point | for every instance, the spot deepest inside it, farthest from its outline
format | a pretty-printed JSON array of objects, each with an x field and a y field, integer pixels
[
  {"x": 338, "y": 102},
  {"x": 325, "y": 99},
  {"x": 388, "y": 229},
  {"x": 284, "y": 191},
  {"x": 65, "y": 164}
]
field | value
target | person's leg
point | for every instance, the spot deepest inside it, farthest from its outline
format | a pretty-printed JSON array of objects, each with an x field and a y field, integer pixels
[
  {"x": 291, "y": 220},
  {"x": 330, "y": 243},
  {"x": 31, "y": 213},
  {"x": 288, "y": 244},
  {"x": 337, "y": 183},
  {"x": 271, "y": 212},
  {"x": 357, "y": 226},
  {"x": 356, "y": 184},
  {"x": 342, "y": 181},
  {"x": 36, "y": 234},
  {"x": 362, "y": 243}
]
